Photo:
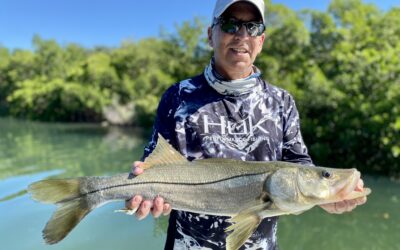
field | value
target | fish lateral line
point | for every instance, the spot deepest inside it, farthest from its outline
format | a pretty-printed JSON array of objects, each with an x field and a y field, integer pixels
[{"x": 170, "y": 183}]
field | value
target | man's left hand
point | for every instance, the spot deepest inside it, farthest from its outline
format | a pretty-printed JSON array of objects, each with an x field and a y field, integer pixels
[{"x": 346, "y": 205}]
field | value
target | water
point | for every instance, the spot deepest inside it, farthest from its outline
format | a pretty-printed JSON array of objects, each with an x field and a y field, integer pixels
[{"x": 33, "y": 151}]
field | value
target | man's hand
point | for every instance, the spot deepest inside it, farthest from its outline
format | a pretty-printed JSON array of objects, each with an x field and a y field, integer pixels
[
  {"x": 346, "y": 205},
  {"x": 144, "y": 207}
]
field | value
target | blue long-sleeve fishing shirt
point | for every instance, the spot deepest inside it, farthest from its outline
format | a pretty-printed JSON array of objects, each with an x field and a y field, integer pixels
[{"x": 201, "y": 123}]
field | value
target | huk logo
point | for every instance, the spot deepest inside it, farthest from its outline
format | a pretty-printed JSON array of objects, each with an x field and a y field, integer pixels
[{"x": 244, "y": 127}]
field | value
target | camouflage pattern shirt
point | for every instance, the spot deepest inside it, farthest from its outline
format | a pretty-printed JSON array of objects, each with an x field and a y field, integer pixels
[{"x": 201, "y": 123}]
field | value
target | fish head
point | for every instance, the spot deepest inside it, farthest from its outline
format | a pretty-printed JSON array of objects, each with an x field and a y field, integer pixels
[
  {"x": 296, "y": 187},
  {"x": 319, "y": 185}
]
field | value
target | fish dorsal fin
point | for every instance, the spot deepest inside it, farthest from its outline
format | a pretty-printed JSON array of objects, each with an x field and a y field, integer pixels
[{"x": 163, "y": 154}]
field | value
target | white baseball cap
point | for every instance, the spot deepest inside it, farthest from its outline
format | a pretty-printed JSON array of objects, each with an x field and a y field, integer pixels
[{"x": 222, "y": 5}]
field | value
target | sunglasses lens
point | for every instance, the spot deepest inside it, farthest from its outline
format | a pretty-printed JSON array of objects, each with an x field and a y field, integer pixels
[
  {"x": 232, "y": 26},
  {"x": 252, "y": 29},
  {"x": 229, "y": 27}
]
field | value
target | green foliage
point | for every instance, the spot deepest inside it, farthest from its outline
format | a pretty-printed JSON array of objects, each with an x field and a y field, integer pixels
[
  {"x": 4, "y": 85},
  {"x": 57, "y": 100},
  {"x": 341, "y": 65},
  {"x": 72, "y": 83},
  {"x": 49, "y": 58}
]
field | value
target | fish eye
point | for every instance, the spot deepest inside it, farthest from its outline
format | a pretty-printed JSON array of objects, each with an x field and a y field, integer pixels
[{"x": 325, "y": 174}]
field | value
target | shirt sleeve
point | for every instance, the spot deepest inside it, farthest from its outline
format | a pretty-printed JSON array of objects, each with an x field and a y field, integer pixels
[
  {"x": 294, "y": 149},
  {"x": 164, "y": 122}
]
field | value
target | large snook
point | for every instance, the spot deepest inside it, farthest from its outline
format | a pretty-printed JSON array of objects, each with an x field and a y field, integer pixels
[{"x": 247, "y": 191}]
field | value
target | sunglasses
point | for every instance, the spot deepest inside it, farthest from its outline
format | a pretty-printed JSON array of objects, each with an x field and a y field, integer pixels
[{"x": 232, "y": 25}]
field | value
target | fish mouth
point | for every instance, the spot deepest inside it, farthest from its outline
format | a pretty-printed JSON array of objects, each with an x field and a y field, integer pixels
[{"x": 350, "y": 186}]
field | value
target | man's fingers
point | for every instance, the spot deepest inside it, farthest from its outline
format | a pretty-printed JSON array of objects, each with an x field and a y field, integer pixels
[
  {"x": 138, "y": 164},
  {"x": 134, "y": 203},
  {"x": 360, "y": 185},
  {"x": 335, "y": 208},
  {"x": 340, "y": 207},
  {"x": 327, "y": 207},
  {"x": 158, "y": 205},
  {"x": 144, "y": 209},
  {"x": 343, "y": 206},
  {"x": 137, "y": 167},
  {"x": 137, "y": 171},
  {"x": 350, "y": 205},
  {"x": 361, "y": 200},
  {"x": 167, "y": 209}
]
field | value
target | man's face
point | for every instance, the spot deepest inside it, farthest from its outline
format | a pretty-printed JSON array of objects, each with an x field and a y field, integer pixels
[{"x": 235, "y": 53}]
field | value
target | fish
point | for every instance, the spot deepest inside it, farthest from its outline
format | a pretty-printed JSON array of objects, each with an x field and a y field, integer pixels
[{"x": 247, "y": 191}]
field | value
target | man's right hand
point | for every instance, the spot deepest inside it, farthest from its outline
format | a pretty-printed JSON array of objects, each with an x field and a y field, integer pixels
[{"x": 144, "y": 207}]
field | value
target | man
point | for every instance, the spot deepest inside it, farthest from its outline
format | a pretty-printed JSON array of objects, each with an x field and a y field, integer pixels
[{"x": 229, "y": 111}]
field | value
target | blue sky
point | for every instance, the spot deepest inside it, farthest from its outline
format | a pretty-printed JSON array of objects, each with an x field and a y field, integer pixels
[{"x": 101, "y": 22}]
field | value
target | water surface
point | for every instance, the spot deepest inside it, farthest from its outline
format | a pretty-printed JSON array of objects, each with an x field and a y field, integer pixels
[{"x": 33, "y": 151}]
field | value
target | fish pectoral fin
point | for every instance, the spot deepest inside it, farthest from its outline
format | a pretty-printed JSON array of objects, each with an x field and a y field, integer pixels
[
  {"x": 247, "y": 221},
  {"x": 242, "y": 229},
  {"x": 164, "y": 153},
  {"x": 244, "y": 225}
]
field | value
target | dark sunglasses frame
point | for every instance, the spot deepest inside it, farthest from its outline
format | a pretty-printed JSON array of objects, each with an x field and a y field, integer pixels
[{"x": 232, "y": 25}]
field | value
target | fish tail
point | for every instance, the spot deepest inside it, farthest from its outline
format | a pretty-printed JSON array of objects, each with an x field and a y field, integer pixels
[
  {"x": 54, "y": 191},
  {"x": 72, "y": 205}
]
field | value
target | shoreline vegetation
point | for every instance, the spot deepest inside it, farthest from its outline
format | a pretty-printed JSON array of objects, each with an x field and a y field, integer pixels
[{"x": 342, "y": 66}]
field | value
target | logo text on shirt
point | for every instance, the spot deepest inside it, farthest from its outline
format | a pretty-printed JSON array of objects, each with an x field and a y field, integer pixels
[{"x": 243, "y": 127}]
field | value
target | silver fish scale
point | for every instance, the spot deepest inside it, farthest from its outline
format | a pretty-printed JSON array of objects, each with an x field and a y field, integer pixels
[{"x": 220, "y": 186}]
